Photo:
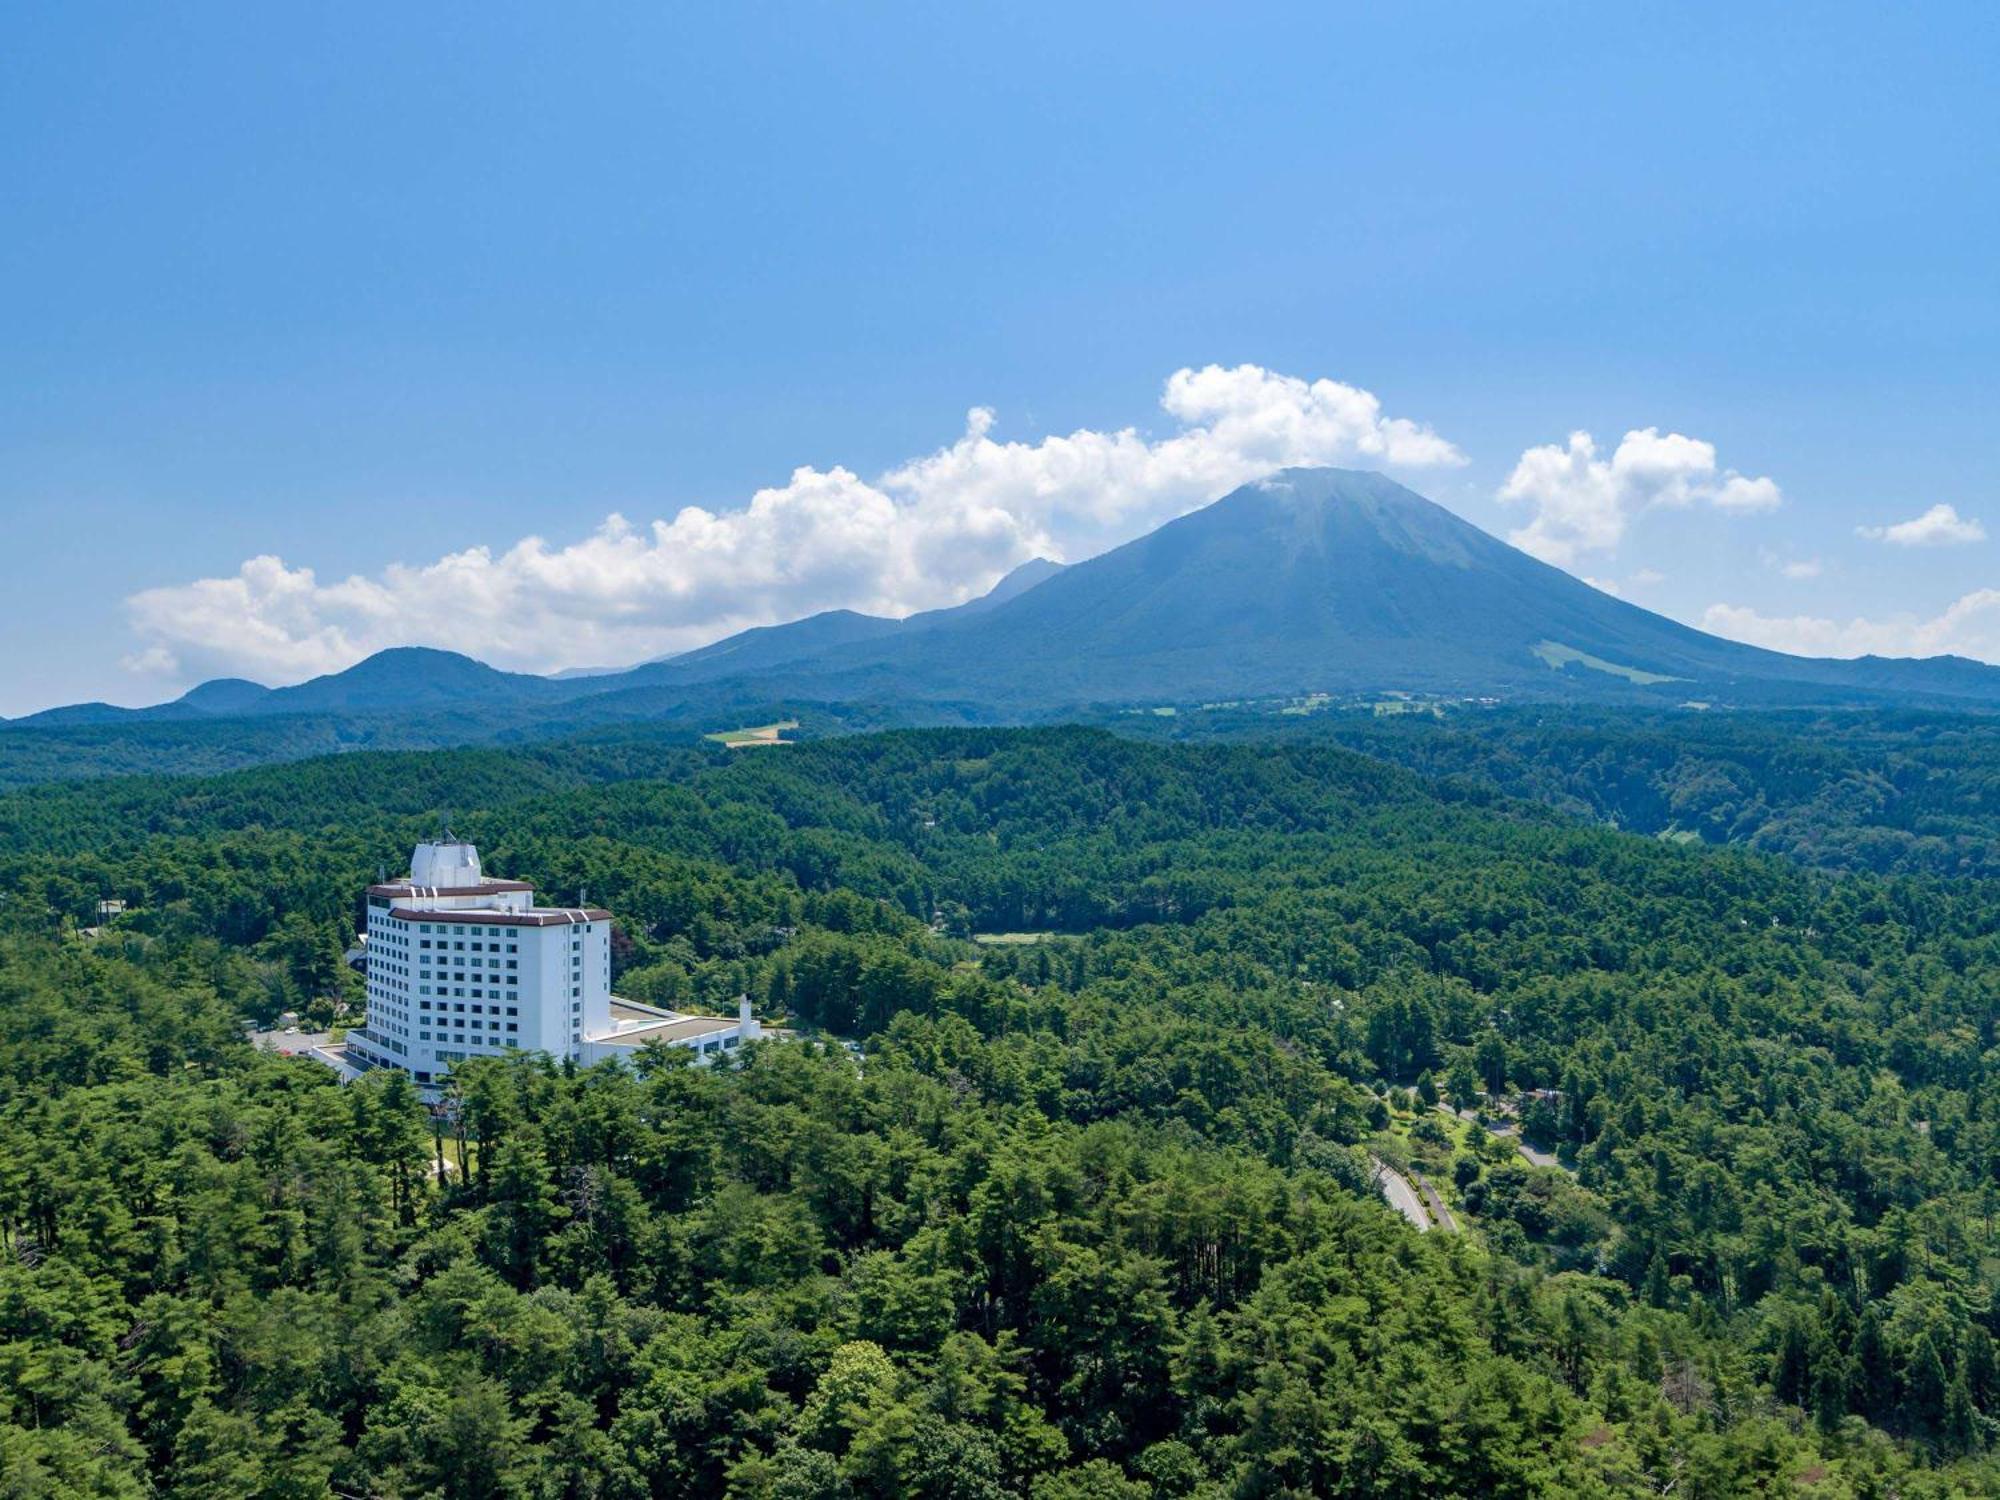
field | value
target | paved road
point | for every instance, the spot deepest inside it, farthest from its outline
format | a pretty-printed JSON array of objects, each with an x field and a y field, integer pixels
[
  {"x": 1402, "y": 1197},
  {"x": 1442, "y": 1214},
  {"x": 295, "y": 1042},
  {"x": 1512, "y": 1133}
]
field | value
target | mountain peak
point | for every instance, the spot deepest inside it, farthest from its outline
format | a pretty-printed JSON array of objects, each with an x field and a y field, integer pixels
[
  {"x": 1344, "y": 581},
  {"x": 1313, "y": 580},
  {"x": 223, "y": 695},
  {"x": 1036, "y": 570}
]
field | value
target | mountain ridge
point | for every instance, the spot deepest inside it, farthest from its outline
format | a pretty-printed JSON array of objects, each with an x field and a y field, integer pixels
[
  {"x": 1310, "y": 581},
  {"x": 1333, "y": 580}
]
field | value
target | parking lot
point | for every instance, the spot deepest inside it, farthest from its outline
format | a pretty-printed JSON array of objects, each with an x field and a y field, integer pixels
[{"x": 294, "y": 1040}]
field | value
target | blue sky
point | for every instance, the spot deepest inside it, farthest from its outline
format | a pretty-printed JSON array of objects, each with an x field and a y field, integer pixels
[{"x": 361, "y": 289}]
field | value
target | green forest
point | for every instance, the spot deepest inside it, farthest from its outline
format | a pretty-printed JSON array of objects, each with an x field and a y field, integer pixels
[
  {"x": 1063, "y": 1183},
  {"x": 1891, "y": 790}
]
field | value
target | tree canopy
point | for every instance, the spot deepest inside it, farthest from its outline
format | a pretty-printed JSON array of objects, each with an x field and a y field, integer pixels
[{"x": 1087, "y": 1212}]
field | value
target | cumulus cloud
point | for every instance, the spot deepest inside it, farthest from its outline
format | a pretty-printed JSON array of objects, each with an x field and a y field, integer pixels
[
  {"x": 1940, "y": 526},
  {"x": 934, "y": 531},
  {"x": 1642, "y": 578},
  {"x": 1969, "y": 627},
  {"x": 1581, "y": 503}
]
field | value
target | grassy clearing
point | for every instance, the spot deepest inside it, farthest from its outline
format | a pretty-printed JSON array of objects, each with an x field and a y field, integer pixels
[
  {"x": 759, "y": 734},
  {"x": 1008, "y": 939},
  {"x": 1556, "y": 654}
]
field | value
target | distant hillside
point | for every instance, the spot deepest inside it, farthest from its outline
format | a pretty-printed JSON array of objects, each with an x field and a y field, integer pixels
[
  {"x": 818, "y": 636},
  {"x": 1327, "y": 580},
  {"x": 1317, "y": 581},
  {"x": 775, "y": 645},
  {"x": 224, "y": 695}
]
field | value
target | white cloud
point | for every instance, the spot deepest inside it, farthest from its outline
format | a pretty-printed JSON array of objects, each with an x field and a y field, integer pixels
[
  {"x": 1940, "y": 526},
  {"x": 1582, "y": 503},
  {"x": 1969, "y": 627},
  {"x": 150, "y": 661},
  {"x": 934, "y": 531},
  {"x": 1795, "y": 568},
  {"x": 1647, "y": 578},
  {"x": 1603, "y": 586}
]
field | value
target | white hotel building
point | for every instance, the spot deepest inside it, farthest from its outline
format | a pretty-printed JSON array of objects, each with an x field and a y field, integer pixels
[{"x": 460, "y": 965}]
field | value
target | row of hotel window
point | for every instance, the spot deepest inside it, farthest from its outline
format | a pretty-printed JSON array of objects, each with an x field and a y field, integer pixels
[
  {"x": 458, "y": 944},
  {"x": 443, "y": 928},
  {"x": 402, "y": 1049}
]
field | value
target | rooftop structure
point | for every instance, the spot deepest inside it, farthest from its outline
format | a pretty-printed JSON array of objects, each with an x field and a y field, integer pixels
[{"x": 463, "y": 965}]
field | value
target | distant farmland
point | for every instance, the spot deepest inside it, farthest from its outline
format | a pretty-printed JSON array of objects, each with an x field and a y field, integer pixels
[{"x": 761, "y": 734}]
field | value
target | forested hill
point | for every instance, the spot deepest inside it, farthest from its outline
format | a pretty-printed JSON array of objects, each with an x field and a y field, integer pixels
[
  {"x": 1093, "y": 1218},
  {"x": 1895, "y": 791},
  {"x": 1886, "y": 791}
]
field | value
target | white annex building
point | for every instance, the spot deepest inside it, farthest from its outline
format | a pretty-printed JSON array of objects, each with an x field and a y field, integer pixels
[{"x": 461, "y": 965}]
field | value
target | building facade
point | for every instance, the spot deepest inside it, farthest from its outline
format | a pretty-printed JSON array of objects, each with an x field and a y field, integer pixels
[{"x": 462, "y": 965}]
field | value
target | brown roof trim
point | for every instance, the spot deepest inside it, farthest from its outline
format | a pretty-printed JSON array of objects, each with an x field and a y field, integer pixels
[
  {"x": 568, "y": 916},
  {"x": 485, "y": 888}
]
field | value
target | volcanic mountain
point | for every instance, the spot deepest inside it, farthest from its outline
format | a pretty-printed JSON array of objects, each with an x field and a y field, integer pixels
[{"x": 1312, "y": 581}]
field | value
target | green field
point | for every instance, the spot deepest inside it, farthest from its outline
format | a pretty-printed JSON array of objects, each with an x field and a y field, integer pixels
[
  {"x": 761, "y": 734},
  {"x": 1557, "y": 655}
]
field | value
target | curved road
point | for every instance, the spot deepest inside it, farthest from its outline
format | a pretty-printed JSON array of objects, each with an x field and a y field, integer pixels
[
  {"x": 1436, "y": 1202},
  {"x": 1402, "y": 1197},
  {"x": 1512, "y": 1133}
]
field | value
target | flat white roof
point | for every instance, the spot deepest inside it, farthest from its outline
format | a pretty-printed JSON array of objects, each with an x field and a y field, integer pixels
[
  {"x": 634, "y": 1024},
  {"x": 665, "y": 1031}
]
